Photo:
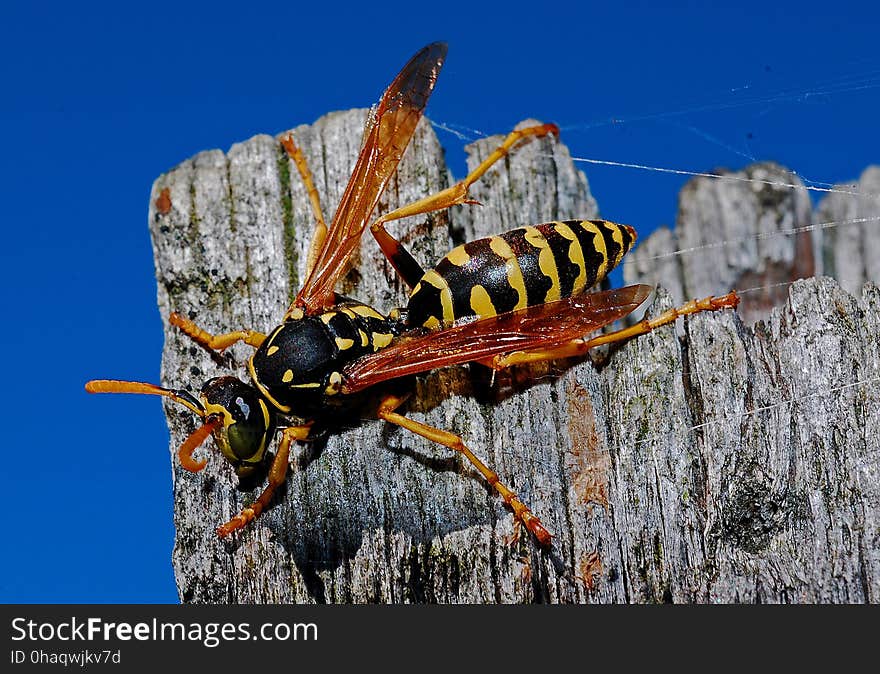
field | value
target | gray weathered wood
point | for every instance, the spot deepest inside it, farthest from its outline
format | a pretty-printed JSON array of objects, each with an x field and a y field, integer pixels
[
  {"x": 733, "y": 232},
  {"x": 851, "y": 249},
  {"x": 724, "y": 467},
  {"x": 754, "y": 230}
]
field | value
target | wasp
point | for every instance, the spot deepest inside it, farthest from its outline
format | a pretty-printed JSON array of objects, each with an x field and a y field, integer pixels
[{"x": 518, "y": 297}]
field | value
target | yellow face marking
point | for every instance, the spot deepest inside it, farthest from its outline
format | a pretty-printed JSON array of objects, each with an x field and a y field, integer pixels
[
  {"x": 432, "y": 323},
  {"x": 368, "y": 312},
  {"x": 514, "y": 274},
  {"x": 328, "y": 317},
  {"x": 222, "y": 441},
  {"x": 364, "y": 339},
  {"x": 348, "y": 312},
  {"x": 381, "y": 340},
  {"x": 343, "y": 343},
  {"x": 228, "y": 421},
  {"x": 271, "y": 350},
  {"x": 575, "y": 256},
  {"x": 481, "y": 302},
  {"x": 311, "y": 384},
  {"x": 434, "y": 279},
  {"x": 458, "y": 256},
  {"x": 546, "y": 262},
  {"x": 294, "y": 314},
  {"x": 219, "y": 409},
  {"x": 287, "y": 377}
]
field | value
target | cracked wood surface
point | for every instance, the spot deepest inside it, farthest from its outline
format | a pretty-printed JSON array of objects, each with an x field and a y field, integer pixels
[
  {"x": 756, "y": 230},
  {"x": 679, "y": 471}
]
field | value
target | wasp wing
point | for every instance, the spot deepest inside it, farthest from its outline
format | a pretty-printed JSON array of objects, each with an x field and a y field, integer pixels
[
  {"x": 544, "y": 326},
  {"x": 387, "y": 133}
]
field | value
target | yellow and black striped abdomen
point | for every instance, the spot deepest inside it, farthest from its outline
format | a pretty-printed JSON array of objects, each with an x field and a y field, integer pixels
[{"x": 523, "y": 267}]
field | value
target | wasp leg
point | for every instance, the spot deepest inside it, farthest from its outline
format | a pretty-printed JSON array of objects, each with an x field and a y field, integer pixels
[
  {"x": 579, "y": 347},
  {"x": 305, "y": 174},
  {"x": 215, "y": 342},
  {"x": 522, "y": 513},
  {"x": 408, "y": 269},
  {"x": 277, "y": 475}
]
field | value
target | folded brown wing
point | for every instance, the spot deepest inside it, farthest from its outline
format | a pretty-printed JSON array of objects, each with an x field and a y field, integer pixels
[
  {"x": 387, "y": 133},
  {"x": 539, "y": 327}
]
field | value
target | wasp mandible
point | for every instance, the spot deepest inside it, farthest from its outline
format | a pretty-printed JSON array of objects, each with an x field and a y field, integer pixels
[{"x": 514, "y": 298}]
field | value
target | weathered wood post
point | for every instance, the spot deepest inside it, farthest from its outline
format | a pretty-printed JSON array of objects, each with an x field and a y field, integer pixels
[{"x": 729, "y": 465}]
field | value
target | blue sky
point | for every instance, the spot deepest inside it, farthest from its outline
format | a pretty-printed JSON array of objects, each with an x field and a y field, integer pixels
[{"x": 97, "y": 100}]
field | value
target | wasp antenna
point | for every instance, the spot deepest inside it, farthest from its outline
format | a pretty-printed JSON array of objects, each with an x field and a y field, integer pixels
[
  {"x": 117, "y": 386},
  {"x": 195, "y": 439}
]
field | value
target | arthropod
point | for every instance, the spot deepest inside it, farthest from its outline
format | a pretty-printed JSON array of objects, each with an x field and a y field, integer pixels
[{"x": 513, "y": 298}]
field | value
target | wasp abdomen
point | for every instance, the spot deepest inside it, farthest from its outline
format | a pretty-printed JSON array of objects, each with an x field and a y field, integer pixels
[
  {"x": 523, "y": 267},
  {"x": 299, "y": 363}
]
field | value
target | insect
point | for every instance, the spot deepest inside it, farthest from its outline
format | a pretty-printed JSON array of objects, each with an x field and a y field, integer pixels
[{"x": 514, "y": 298}]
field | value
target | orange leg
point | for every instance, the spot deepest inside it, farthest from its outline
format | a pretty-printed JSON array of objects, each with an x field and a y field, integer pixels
[
  {"x": 579, "y": 347},
  {"x": 215, "y": 342},
  {"x": 401, "y": 260},
  {"x": 194, "y": 441},
  {"x": 302, "y": 166},
  {"x": 520, "y": 510},
  {"x": 277, "y": 475}
]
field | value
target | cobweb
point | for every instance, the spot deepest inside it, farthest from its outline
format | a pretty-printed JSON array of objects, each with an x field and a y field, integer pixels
[
  {"x": 729, "y": 129},
  {"x": 718, "y": 136}
]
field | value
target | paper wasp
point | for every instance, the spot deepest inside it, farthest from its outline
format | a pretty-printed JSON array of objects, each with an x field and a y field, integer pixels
[{"x": 514, "y": 298}]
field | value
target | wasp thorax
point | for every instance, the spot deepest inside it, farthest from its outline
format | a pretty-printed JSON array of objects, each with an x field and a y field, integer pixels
[
  {"x": 296, "y": 352},
  {"x": 298, "y": 367},
  {"x": 292, "y": 364},
  {"x": 248, "y": 425}
]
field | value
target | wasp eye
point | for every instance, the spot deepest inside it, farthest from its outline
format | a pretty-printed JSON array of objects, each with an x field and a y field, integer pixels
[{"x": 248, "y": 424}]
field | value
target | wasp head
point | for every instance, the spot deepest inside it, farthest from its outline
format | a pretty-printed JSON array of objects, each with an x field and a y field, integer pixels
[{"x": 243, "y": 424}]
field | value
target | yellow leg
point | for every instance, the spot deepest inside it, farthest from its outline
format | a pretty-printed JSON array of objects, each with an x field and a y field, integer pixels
[
  {"x": 454, "y": 442},
  {"x": 215, "y": 342},
  {"x": 451, "y": 196},
  {"x": 305, "y": 174},
  {"x": 277, "y": 475},
  {"x": 579, "y": 347}
]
